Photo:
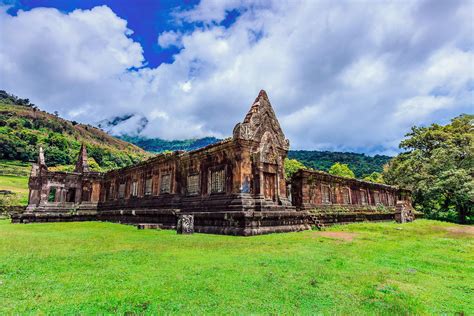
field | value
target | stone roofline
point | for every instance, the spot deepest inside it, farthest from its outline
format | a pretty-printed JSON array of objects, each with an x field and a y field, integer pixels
[{"x": 172, "y": 155}]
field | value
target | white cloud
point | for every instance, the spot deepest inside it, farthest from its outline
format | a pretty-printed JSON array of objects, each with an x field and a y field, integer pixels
[
  {"x": 366, "y": 72},
  {"x": 341, "y": 75},
  {"x": 419, "y": 107},
  {"x": 169, "y": 38}
]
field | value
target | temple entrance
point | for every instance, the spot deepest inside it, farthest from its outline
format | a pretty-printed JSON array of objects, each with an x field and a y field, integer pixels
[
  {"x": 86, "y": 195},
  {"x": 269, "y": 186},
  {"x": 71, "y": 195}
]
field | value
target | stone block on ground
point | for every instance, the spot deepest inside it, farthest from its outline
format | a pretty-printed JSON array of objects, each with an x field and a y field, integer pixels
[
  {"x": 185, "y": 224},
  {"x": 149, "y": 226}
]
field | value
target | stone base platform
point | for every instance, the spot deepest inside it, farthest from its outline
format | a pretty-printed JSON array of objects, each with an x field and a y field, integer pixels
[
  {"x": 149, "y": 226},
  {"x": 44, "y": 217},
  {"x": 239, "y": 223},
  {"x": 242, "y": 223},
  {"x": 329, "y": 219},
  {"x": 223, "y": 223}
]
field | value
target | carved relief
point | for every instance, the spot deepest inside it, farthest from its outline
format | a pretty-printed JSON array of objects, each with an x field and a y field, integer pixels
[
  {"x": 267, "y": 150},
  {"x": 261, "y": 119}
]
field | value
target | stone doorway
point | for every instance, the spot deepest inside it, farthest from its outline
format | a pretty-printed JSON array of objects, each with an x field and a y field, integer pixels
[
  {"x": 269, "y": 186},
  {"x": 71, "y": 195}
]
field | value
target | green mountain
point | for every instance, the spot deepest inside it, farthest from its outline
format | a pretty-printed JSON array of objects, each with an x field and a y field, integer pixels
[
  {"x": 24, "y": 128},
  {"x": 157, "y": 145}
]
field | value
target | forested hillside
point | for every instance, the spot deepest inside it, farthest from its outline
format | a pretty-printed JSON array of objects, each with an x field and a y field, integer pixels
[
  {"x": 361, "y": 164},
  {"x": 23, "y": 128},
  {"x": 157, "y": 145}
]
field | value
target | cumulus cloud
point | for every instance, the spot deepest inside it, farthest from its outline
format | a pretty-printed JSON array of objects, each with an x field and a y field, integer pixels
[
  {"x": 341, "y": 75},
  {"x": 169, "y": 38}
]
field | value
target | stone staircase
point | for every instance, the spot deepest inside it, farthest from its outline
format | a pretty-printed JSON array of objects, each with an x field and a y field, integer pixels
[{"x": 315, "y": 220}]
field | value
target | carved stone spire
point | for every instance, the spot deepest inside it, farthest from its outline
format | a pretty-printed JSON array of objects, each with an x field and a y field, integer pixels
[
  {"x": 41, "y": 161},
  {"x": 38, "y": 167},
  {"x": 261, "y": 120},
  {"x": 81, "y": 164}
]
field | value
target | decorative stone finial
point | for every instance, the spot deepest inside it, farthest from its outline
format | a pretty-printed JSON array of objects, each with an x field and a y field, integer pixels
[
  {"x": 262, "y": 94},
  {"x": 41, "y": 161},
  {"x": 81, "y": 164}
]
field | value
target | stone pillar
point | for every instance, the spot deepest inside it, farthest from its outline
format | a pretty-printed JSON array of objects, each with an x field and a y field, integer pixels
[
  {"x": 78, "y": 196},
  {"x": 404, "y": 212},
  {"x": 57, "y": 196},
  {"x": 261, "y": 181},
  {"x": 185, "y": 224}
]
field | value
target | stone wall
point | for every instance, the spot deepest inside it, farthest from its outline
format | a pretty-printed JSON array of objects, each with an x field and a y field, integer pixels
[
  {"x": 332, "y": 200},
  {"x": 320, "y": 190}
]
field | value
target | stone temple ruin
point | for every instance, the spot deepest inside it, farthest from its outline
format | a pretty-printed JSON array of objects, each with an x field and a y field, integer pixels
[{"x": 234, "y": 187}]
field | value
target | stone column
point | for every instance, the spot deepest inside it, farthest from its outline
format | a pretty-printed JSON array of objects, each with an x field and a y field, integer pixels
[{"x": 404, "y": 212}]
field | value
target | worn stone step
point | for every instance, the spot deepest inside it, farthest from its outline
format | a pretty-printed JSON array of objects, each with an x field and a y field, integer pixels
[{"x": 149, "y": 226}]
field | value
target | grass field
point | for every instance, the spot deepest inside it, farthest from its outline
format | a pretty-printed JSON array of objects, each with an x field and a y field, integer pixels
[
  {"x": 14, "y": 177},
  {"x": 425, "y": 267}
]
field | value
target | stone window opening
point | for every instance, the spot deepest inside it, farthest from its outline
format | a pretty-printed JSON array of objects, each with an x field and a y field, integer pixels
[
  {"x": 363, "y": 197},
  {"x": 377, "y": 198},
  {"x": 346, "y": 196},
  {"x": 134, "y": 191},
  {"x": 217, "y": 181},
  {"x": 193, "y": 184},
  {"x": 86, "y": 194},
  {"x": 165, "y": 183},
  {"x": 148, "y": 186},
  {"x": 326, "y": 194},
  {"x": 52, "y": 194},
  {"x": 390, "y": 199},
  {"x": 111, "y": 192},
  {"x": 71, "y": 195},
  {"x": 121, "y": 192}
]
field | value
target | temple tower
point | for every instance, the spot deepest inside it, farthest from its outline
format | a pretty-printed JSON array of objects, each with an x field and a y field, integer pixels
[
  {"x": 269, "y": 148},
  {"x": 81, "y": 164}
]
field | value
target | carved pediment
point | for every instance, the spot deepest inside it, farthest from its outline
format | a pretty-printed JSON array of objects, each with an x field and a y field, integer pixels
[{"x": 259, "y": 120}]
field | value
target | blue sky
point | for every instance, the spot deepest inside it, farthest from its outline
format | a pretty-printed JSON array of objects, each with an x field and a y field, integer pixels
[
  {"x": 146, "y": 18},
  {"x": 346, "y": 75}
]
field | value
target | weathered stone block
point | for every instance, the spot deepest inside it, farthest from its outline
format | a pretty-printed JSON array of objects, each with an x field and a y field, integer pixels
[
  {"x": 404, "y": 212},
  {"x": 149, "y": 226},
  {"x": 185, "y": 224}
]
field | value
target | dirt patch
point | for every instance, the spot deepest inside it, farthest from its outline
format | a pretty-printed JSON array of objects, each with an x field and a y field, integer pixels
[
  {"x": 337, "y": 235},
  {"x": 461, "y": 230}
]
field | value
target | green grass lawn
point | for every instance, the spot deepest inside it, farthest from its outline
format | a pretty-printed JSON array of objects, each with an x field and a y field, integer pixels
[
  {"x": 14, "y": 177},
  {"x": 17, "y": 185},
  {"x": 425, "y": 267},
  {"x": 14, "y": 168}
]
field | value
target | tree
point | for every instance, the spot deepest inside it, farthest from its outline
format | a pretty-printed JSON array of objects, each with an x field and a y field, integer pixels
[
  {"x": 438, "y": 166},
  {"x": 93, "y": 165},
  {"x": 292, "y": 166},
  {"x": 374, "y": 177},
  {"x": 342, "y": 170}
]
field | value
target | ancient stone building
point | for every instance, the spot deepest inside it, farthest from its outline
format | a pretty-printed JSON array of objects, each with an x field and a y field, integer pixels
[{"x": 236, "y": 186}]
